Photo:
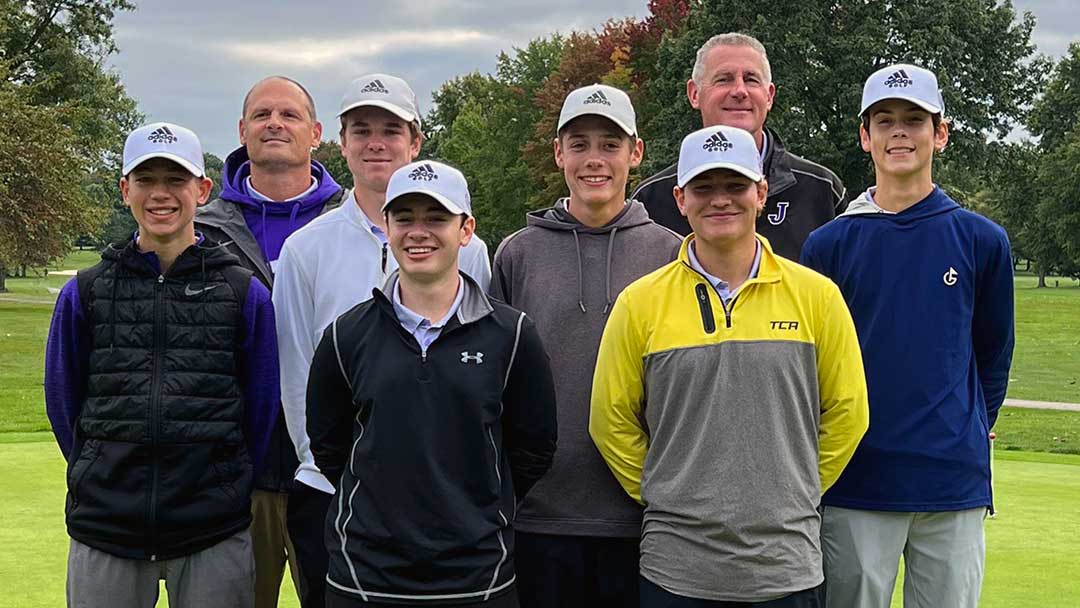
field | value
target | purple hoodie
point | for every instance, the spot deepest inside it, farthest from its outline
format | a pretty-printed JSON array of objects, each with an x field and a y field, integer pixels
[{"x": 272, "y": 222}]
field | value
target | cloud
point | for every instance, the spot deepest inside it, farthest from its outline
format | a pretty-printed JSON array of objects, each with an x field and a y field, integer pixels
[{"x": 313, "y": 53}]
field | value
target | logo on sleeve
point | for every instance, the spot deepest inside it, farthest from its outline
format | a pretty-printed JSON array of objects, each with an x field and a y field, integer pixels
[
  {"x": 477, "y": 357},
  {"x": 950, "y": 277},
  {"x": 781, "y": 213}
]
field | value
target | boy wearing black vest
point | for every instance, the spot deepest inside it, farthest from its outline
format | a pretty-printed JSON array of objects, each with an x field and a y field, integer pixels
[{"x": 150, "y": 378}]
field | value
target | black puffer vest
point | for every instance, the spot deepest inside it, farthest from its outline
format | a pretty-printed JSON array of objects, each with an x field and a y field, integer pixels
[{"x": 160, "y": 466}]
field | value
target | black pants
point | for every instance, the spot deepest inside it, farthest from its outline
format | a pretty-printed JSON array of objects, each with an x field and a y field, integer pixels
[
  {"x": 305, "y": 519},
  {"x": 654, "y": 596},
  {"x": 576, "y": 571},
  {"x": 506, "y": 600}
]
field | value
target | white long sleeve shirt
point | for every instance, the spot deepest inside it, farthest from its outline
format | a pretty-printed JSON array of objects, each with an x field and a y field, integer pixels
[{"x": 326, "y": 268}]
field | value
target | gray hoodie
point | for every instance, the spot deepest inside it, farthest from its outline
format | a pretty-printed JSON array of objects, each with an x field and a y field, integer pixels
[{"x": 566, "y": 276}]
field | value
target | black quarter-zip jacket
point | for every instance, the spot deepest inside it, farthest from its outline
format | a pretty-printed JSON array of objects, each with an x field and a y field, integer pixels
[{"x": 429, "y": 452}]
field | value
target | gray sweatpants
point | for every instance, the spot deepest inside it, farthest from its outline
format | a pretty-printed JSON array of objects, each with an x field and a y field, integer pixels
[
  {"x": 219, "y": 576},
  {"x": 944, "y": 555}
]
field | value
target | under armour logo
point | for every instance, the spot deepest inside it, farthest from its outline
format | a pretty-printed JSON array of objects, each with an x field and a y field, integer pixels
[
  {"x": 716, "y": 143},
  {"x": 477, "y": 357},
  {"x": 374, "y": 87},
  {"x": 423, "y": 172},
  {"x": 162, "y": 135},
  {"x": 188, "y": 291},
  {"x": 598, "y": 97},
  {"x": 950, "y": 277},
  {"x": 898, "y": 79},
  {"x": 781, "y": 213}
]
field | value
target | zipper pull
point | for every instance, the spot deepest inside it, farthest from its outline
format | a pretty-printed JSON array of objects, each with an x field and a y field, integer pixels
[
  {"x": 384, "y": 258},
  {"x": 160, "y": 279}
]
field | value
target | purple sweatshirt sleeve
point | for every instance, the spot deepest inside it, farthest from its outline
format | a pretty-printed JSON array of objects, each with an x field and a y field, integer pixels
[
  {"x": 67, "y": 354},
  {"x": 258, "y": 359}
]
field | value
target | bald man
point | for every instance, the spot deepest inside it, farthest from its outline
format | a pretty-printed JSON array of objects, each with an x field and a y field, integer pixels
[{"x": 271, "y": 188}]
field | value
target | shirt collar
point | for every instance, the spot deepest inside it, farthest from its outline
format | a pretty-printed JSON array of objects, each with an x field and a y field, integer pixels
[
  {"x": 365, "y": 221},
  {"x": 412, "y": 321},
  {"x": 717, "y": 282},
  {"x": 262, "y": 197},
  {"x": 764, "y": 145}
]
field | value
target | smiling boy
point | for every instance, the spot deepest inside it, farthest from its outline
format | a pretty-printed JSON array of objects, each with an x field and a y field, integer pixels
[
  {"x": 160, "y": 385},
  {"x": 332, "y": 264},
  {"x": 577, "y": 530},
  {"x": 431, "y": 410},
  {"x": 929, "y": 285},
  {"x": 728, "y": 394}
]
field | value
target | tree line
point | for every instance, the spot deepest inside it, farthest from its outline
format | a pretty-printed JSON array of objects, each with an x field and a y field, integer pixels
[{"x": 65, "y": 114}]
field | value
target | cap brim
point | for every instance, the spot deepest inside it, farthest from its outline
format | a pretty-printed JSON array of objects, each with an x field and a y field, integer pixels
[
  {"x": 588, "y": 112},
  {"x": 442, "y": 200},
  {"x": 394, "y": 109},
  {"x": 696, "y": 171},
  {"x": 929, "y": 107},
  {"x": 131, "y": 165}
]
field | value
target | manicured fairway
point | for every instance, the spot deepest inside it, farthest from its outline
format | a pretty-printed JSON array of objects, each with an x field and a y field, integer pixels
[{"x": 1031, "y": 560}]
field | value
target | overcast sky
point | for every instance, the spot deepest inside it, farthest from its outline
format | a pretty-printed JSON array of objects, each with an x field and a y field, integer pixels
[{"x": 192, "y": 62}]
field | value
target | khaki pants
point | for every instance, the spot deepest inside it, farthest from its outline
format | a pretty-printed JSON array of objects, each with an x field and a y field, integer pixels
[{"x": 272, "y": 547}]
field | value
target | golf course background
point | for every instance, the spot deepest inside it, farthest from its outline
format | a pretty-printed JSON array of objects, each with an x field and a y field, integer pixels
[{"x": 1032, "y": 544}]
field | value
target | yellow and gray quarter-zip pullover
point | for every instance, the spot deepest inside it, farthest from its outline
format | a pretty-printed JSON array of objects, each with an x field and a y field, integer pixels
[{"x": 727, "y": 421}]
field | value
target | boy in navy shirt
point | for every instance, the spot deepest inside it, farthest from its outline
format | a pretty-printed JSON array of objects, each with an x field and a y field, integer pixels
[{"x": 929, "y": 286}]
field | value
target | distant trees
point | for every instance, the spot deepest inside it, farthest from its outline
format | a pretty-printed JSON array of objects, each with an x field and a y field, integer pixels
[{"x": 64, "y": 118}]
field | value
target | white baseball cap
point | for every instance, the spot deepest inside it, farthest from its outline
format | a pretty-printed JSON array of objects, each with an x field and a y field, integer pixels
[
  {"x": 382, "y": 91},
  {"x": 599, "y": 100},
  {"x": 718, "y": 147},
  {"x": 431, "y": 178},
  {"x": 903, "y": 81},
  {"x": 163, "y": 140}
]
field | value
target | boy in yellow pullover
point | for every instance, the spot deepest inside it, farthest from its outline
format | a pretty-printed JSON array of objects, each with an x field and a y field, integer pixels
[{"x": 756, "y": 398}]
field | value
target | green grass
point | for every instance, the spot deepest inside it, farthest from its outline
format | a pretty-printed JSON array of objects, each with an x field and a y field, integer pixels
[
  {"x": 1031, "y": 544},
  {"x": 1027, "y": 430},
  {"x": 1046, "y": 363},
  {"x": 23, "y": 329},
  {"x": 32, "y": 569}
]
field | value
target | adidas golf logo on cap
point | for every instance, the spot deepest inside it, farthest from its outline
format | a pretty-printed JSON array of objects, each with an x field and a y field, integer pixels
[
  {"x": 898, "y": 79},
  {"x": 598, "y": 97},
  {"x": 718, "y": 147},
  {"x": 599, "y": 100},
  {"x": 423, "y": 172},
  {"x": 163, "y": 140},
  {"x": 431, "y": 178},
  {"x": 375, "y": 86},
  {"x": 162, "y": 135},
  {"x": 717, "y": 143},
  {"x": 906, "y": 82}
]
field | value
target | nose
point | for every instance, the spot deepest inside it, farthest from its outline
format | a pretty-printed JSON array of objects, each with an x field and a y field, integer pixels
[{"x": 739, "y": 87}]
